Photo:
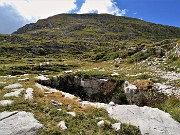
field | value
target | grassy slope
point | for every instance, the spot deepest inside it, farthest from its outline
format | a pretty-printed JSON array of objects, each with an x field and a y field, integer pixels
[{"x": 83, "y": 42}]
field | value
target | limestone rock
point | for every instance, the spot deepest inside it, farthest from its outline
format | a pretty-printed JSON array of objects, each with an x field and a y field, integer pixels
[
  {"x": 71, "y": 113},
  {"x": 6, "y": 102},
  {"x": 151, "y": 121},
  {"x": 15, "y": 93},
  {"x": 67, "y": 95},
  {"x": 56, "y": 103},
  {"x": 13, "y": 86},
  {"x": 42, "y": 77},
  {"x": 68, "y": 71},
  {"x": 100, "y": 123},
  {"x": 114, "y": 74},
  {"x": 111, "y": 103},
  {"x": 62, "y": 125},
  {"x": 19, "y": 123},
  {"x": 167, "y": 89},
  {"x": 29, "y": 93},
  {"x": 116, "y": 126},
  {"x": 24, "y": 79}
]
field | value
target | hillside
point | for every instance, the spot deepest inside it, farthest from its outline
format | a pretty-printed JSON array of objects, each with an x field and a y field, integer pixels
[
  {"x": 76, "y": 73},
  {"x": 87, "y": 34}
]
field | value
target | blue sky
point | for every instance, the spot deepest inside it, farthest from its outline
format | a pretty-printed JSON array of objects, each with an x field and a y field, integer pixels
[{"x": 16, "y": 13}]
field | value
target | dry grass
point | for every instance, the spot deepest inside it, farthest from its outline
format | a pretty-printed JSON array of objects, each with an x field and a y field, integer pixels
[{"x": 143, "y": 84}]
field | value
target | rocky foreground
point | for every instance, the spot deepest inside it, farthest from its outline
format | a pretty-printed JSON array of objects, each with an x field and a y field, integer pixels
[{"x": 150, "y": 121}]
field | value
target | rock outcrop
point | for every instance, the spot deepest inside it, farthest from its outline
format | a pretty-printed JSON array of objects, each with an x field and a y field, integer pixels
[
  {"x": 151, "y": 121},
  {"x": 19, "y": 123}
]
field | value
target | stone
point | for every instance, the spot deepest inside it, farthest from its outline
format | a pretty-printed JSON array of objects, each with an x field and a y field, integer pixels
[
  {"x": 116, "y": 126},
  {"x": 71, "y": 113},
  {"x": 68, "y": 72},
  {"x": 29, "y": 94},
  {"x": 100, "y": 123},
  {"x": 67, "y": 95},
  {"x": 128, "y": 88},
  {"x": 42, "y": 77},
  {"x": 6, "y": 102},
  {"x": 111, "y": 103},
  {"x": 62, "y": 125},
  {"x": 56, "y": 103},
  {"x": 2, "y": 82},
  {"x": 151, "y": 121},
  {"x": 24, "y": 79},
  {"x": 13, "y": 86},
  {"x": 19, "y": 123},
  {"x": 41, "y": 87},
  {"x": 20, "y": 89},
  {"x": 114, "y": 74},
  {"x": 14, "y": 93},
  {"x": 167, "y": 89}
]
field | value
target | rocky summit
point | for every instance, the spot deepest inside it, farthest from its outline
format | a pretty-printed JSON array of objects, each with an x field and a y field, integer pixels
[{"x": 90, "y": 74}]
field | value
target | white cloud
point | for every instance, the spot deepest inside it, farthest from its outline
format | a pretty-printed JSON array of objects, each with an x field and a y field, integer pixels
[
  {"x": 40, "y": 8},
  {"x": 101, "y": 6}
]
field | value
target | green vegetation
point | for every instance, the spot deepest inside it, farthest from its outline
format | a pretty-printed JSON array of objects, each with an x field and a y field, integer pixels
[
  {"x": 90, "y": 45},
  {"x": 172, "y": 106}
]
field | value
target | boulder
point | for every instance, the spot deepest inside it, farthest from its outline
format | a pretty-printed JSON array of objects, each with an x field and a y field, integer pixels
[{"x": 19, "y": 123}]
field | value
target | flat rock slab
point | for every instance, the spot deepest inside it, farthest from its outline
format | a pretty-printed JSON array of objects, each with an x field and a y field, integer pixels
[
  {"x": 14, "y": 93},
  {"x": 19, "y": 123},
  {"x": 13, "y": 86},
  {"x": 151, "y": 121},
  {"x": 29, "y": 93},
  {"x": 5, "y": 102}
]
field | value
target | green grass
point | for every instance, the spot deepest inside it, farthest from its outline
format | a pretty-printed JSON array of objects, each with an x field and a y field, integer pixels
[{"x": 172, "y": 106}]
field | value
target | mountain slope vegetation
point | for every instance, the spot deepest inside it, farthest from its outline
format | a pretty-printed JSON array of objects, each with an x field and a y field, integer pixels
[{"x": 97, "y": 47}]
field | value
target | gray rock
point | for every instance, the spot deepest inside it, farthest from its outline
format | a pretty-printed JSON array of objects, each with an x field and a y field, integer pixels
[
  {"x": 151, "y": 121},
  {"x": 71, "y": 113},
  {"x": 13, "y": 86},
  {"x": 19, "y": 123},
  {"x": 56, "y": 103},
  {"x": 42, "y": 77},
  {"x": 116, "y": 126},
  {"x": 29, "y": 93},
  {"x": 6, "y": 102},
  {"x": 62, "y": 125},
  {"x": 14, "y": 94},
  {"x": 2, "y": 82},
  {"x": 167, "y": 89},
  {"x": 100, "y": 123},
  {"x": 24, "y": 79}
]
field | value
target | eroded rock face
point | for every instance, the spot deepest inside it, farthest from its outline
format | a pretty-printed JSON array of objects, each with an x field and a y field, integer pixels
[
  {"x": 92, "y": 88},
  {"x": 19, "y": 123}
]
